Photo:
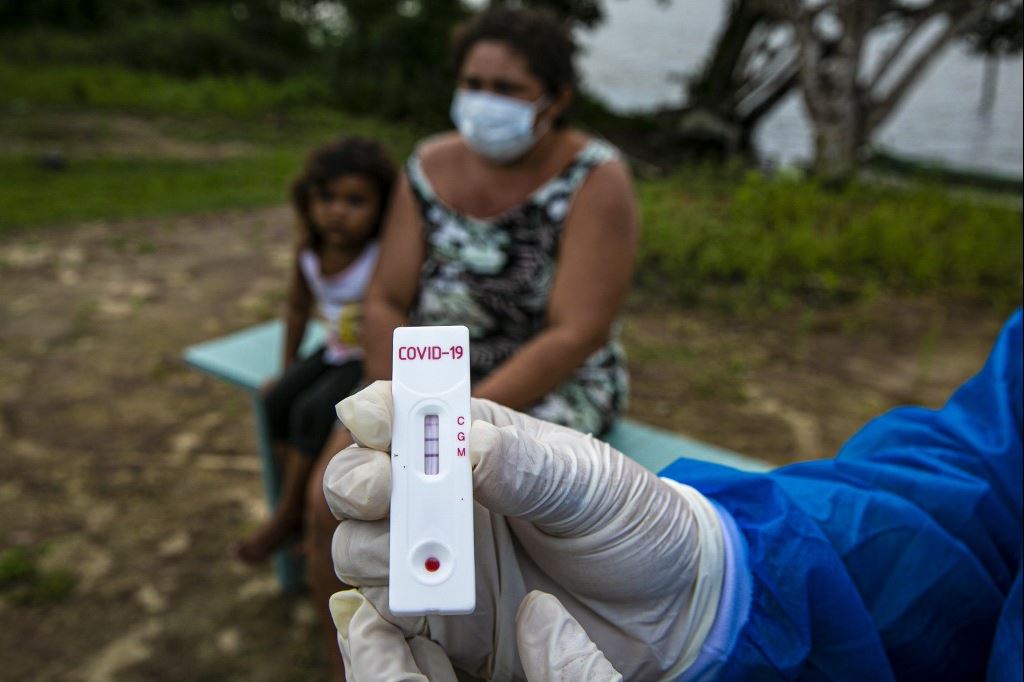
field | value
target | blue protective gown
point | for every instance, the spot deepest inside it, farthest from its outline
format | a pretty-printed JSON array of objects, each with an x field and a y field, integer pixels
[{"x": 900, "y": 558}]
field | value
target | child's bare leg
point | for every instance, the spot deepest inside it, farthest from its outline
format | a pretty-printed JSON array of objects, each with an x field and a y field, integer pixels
[
  {"x": 280, "y": 451},
  {"x": 287, "y": 517},
  {"x": 319, "y": 531}
]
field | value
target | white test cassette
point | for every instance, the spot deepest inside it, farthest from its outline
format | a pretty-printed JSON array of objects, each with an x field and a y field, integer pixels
[{"x": 432, "y": 564}]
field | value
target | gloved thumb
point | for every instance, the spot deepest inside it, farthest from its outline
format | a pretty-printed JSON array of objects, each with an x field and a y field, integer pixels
[{"x": 553, "y": 647}]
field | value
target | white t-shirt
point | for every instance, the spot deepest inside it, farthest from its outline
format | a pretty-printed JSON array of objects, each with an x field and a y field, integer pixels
[{"x": 339, "y": 298}]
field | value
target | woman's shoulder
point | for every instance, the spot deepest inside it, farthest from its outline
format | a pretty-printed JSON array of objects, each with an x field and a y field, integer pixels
[
  {"x": 580, "y": 156},
  {"x": 587, "y": 164},
  {"x": 435, "y": 158},
  {"x": 595, "y": 150},
  {"x": 442, "y": 149}
]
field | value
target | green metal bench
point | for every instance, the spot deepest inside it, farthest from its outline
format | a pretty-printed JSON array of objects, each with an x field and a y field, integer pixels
[{"x": 249, "y": 357}]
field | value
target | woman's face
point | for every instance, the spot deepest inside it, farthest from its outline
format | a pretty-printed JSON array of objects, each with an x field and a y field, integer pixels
[
  {"x": 492, "y": 66},
  {"x": 495, "y": 67}
]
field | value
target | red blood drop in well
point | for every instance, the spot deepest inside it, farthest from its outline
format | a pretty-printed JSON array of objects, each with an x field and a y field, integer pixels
[{"x": 432, "y": 564}]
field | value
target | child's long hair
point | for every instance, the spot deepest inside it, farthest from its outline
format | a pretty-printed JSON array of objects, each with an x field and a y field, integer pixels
[{"x": 345, "y": 156}]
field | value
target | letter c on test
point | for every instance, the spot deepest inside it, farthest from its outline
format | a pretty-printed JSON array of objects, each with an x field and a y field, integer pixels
[{"x": 460, "y": 421}]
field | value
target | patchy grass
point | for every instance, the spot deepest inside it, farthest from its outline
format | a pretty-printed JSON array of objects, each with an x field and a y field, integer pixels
[
  {"x": 78, "y": 111},
  {"x": 174, "y": 164},
  {"x": 708, "y": 371},
  {"x": 110, "y": 188},
  {"x": 118, "y": 188},
  {"x": 24, "y": 583}
]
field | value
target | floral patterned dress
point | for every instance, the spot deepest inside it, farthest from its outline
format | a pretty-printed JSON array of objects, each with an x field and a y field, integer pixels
[{"x": 495, "y": 275}]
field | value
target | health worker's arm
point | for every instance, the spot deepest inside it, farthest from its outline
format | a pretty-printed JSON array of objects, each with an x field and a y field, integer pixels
[
  {"x": 894, "y": 560},
  {"x": 592, "y": 277},
  {"x": 392, "y": 290}
]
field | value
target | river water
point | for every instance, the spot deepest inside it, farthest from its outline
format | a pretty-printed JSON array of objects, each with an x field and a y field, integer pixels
[{"x": 636, "y": 60}]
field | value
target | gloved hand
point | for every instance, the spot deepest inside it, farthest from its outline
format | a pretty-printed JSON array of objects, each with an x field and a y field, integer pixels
[
  {"x": 552, "y": 645},
  {"x": 637, "y": 561}
]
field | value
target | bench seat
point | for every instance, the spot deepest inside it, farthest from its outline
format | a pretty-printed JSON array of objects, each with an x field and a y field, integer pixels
[{"x": 249, "y": 357}]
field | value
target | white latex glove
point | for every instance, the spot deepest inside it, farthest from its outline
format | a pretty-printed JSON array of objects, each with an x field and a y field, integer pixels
[
  {"x": 636, "y": 561},
  {"x": 552, "y": 645}
]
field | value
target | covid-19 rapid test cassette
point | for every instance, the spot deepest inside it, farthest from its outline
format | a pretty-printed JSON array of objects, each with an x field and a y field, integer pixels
[{"x": 432, "y": 567}]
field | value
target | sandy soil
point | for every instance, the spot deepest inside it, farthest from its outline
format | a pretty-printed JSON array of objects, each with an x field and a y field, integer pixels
[{"x": 123, "y": 466}]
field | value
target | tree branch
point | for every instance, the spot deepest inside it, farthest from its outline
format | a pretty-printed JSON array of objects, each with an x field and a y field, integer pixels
[
  {"x": 892, "y": 54},
  {"x": 809, "y": 54},
  {"x": 752, "y": 79},
  {"x": 779, "y": 85},
  {"x": 880, "y": 111}
]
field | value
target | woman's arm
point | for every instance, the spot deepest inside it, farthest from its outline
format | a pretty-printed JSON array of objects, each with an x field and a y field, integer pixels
[
  {"x": 300, "y": 301},
  {"x": 392, "y": 291},
  {"x": 592, "y": 277}
]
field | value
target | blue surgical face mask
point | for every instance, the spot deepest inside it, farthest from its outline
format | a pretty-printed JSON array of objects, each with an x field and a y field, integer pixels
[{"x": 500, "y": 128}]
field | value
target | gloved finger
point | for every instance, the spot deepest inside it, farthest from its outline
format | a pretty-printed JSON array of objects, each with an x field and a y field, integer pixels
[
  {"x": 432, "y": 660},
  {"x": 409, "y": 626},
  {"x": 343, "y": 607},
  {"x": 368, "y": 415},
  {"x": 372, "y": 648},
  {"x": 357, "y": 484},
  {"x": 499, "y": 415},
  {"x": 598, "y": 522},
  {"x": 558, "y": 483},
  {"x": 553, "y": 647},
  {"x": 360, "y": 551}
]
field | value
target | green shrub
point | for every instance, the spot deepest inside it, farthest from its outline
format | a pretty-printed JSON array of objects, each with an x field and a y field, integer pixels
[
  {"x": 395, "y": 64},
  {"x": 190, "y": 42},
  {"x": 105, "y": 86},
  {"x": 785, "y": 236}
]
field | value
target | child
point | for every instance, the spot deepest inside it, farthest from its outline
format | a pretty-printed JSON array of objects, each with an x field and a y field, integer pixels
[{"x": 339, "y": 198}]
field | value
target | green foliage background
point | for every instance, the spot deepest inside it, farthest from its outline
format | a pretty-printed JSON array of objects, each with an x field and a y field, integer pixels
[
  {"x": 749, "y": 239},
  {"x": 245, "y": 72}
]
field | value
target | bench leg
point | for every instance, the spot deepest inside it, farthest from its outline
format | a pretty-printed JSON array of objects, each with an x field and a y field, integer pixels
[{"x": 289, "y": 568}]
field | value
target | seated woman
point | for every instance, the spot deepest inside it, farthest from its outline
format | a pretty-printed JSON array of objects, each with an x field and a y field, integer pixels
[{"x": 516, "y": 226}]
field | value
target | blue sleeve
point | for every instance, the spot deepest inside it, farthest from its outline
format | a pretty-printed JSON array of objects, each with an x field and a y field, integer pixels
[{"x": 896, "y": 559}]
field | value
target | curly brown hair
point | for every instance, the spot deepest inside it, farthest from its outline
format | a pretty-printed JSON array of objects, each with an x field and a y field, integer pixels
[
  {"x": 538, "y": 35},
  {"x": 352, "y": 155}
]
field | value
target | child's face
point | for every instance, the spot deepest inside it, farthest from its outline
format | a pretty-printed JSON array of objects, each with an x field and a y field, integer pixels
[{"x": 345, "y": 211}]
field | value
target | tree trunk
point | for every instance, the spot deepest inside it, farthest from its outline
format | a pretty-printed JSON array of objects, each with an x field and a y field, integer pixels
[
  {"x": 988, "y": 85},
  {"x": 835, "y": 116},
  {"x": 832, "y": 92},
  {"x": 836, "y": 150}
]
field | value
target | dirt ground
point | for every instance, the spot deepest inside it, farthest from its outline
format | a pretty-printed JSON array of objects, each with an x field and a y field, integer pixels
[{"x": 132, "y": 472}]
